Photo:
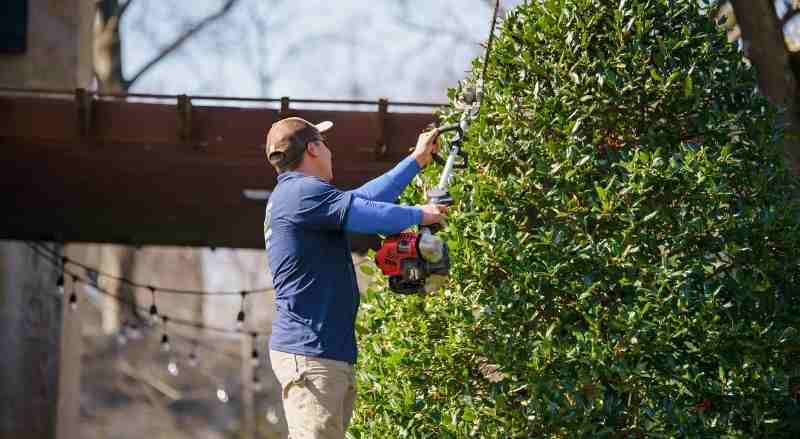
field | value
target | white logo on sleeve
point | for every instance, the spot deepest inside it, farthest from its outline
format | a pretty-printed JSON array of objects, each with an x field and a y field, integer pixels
[{"x": 268, "y": 224}]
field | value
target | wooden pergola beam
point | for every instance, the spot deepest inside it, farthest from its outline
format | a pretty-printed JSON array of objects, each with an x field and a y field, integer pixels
[{"x": 89, "y": 170}]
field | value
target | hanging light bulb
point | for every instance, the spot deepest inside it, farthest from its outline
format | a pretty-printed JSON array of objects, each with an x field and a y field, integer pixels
[
  {"x": 240, "y": 316},
  {"x": 153, "y": 314},
  {"x": 122, "y": 338},
  {"x": 172, "y": 367},
  {"x": 122, "y": 334},
  {"x": 164, "y": 337},
  {"x": 60, "y": 280},
  {"x": 256, "y": 383},
  {"x": 240, "y": 321},
  {"x": 153, "y": 309},
  {"x": 222, "y": 395},
  {"x": 254, "y": 357},
  {"x": 193, "y": 359},
  {"x": 73, "y": 297},
  {"x": 133, "y": 332}
]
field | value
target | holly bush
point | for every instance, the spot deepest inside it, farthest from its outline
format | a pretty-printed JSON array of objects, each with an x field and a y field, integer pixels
[{"x": 625, "y": 246}]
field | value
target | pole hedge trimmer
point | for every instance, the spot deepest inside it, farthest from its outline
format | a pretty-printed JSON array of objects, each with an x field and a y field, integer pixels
[{"x": 417, "y": 262}]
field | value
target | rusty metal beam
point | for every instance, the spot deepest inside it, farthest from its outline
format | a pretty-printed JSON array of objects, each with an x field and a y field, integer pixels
[{"x": 148, "y": 174}]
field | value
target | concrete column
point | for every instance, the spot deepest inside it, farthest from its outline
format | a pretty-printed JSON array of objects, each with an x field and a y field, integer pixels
[
  {"x": 248, "y": 408},
  {"x": 30, "y": 324},
  {"x": 71, "y": 349},
  {"x": 59, "y": 53},
  {"x": 35, "y": 400},
  {"x": 108, "y": 260}
]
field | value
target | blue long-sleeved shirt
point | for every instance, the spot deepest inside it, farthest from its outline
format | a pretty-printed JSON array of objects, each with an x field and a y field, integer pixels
[
  {"x": 372, "y": 209},
  {"x": 387, "y": 187},
  {"x": 316, "y": 294}
]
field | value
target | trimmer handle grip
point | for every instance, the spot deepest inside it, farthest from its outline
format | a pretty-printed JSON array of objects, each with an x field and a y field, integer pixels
[
  {"x": 439, "y": 160},
  {"x": 463, "y": 164},
  {"x": 438, "y": 196},
  {"x": 450, "y": 127}
]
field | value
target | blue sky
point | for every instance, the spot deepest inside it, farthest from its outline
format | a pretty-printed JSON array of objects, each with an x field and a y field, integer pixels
[{"x": 401, "y": 50}]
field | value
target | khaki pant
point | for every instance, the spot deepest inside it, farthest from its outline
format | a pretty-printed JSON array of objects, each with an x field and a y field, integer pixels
[{"x": 318, "y": 395}]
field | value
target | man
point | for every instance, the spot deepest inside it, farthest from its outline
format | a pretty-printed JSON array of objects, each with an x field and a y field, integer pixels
[{"x": 313, "y": 345}]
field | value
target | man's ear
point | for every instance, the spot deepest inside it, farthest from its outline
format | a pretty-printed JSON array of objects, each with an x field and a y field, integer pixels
[{"x": 313, "y": 149}]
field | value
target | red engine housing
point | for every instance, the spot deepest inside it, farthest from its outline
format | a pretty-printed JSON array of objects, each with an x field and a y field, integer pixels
[
  {"x": 408, "y": 271},
  {"x": 396, "y": 252}
]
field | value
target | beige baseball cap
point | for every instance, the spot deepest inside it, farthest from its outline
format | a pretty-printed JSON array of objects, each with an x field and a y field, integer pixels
[{"x": 287, "y": 140}]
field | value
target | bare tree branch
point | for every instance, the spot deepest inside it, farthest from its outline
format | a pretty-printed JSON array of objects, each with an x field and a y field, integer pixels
[
  {"x": 180, "y": 40},
  {"x": 436, "y": 31},
  {"x": 407, "y": 17},
  {"x": 123, "y": 8},
  {"x": 501, "y": 11},
  {"x": 788, "y": 16}
]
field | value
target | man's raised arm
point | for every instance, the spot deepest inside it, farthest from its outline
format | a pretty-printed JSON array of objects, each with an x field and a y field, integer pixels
[{"x": 388, "y": 187}]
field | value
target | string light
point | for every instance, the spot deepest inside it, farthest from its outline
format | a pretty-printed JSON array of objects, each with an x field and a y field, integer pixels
[
  {"x": 60, "y": 280},
  {"x": 73, "y": 297},
  {"x": 65, "y": 260},
  {"x": 44, "y": 252},
  {"x": 240, "y": 317},
  {"x": 122, "y": 336},
  {"x": 153, "y": 308},
  {"x": 193, "y": 361},
  {"x": 131, "y": 330},
  {"x": 254, "y": 357},
  {"x": 164, "y": 336},
  {"x": 172, "y": 367}
]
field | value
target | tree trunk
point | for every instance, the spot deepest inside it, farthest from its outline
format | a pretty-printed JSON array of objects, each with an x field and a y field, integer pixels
[
  {"x": 120, "y": 261},
  {"x": 108, "y": 47},
  {"x": 108, "y": 64},
  {"x": 110, "y": 78},
  {"x": 764, "y": 45}
]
